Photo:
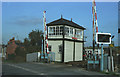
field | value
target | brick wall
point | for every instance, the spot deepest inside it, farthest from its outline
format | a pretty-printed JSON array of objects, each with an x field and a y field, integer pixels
[{"x": 11, "y": 47}]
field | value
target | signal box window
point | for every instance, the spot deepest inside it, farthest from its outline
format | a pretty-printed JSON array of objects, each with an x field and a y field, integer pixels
[{"x": 49, "y": 47}]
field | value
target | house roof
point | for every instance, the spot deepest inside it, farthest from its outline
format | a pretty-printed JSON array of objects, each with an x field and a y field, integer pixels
[{"x": 63, "y": 21}]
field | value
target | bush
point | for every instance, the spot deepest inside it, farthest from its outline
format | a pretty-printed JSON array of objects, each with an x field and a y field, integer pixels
[
  {"x": 19, "y": 59},
  {"x": 11, "y": 56},
  {"x": 20, "y": 52},
  {"x": 20, "y": 55},
  {"x": 32, "y": 49}
]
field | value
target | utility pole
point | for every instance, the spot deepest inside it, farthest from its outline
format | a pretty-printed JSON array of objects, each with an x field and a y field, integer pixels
[
  {"x": 101, "y": 57},
  {"x": 44, "y": 32},
  {"x": 118, "y": 47},
  {"x": 93, "y": 25}
]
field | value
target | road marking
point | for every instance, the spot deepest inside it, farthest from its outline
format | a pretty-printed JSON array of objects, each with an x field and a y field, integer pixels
[
  {"x": 52, "y": 65},
  {"x": 69, "y": 65},
  {"x": 26, "y": 69},
  {"x": 42, "y": 63}
]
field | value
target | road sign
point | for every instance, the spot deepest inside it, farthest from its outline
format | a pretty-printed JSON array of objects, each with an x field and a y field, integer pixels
[
  {"x": 103, "y": 38},
  {"x": 111, "y": 45}
]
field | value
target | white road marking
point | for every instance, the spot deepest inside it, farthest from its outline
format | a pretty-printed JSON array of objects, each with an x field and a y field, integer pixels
[
  {"x": 52, "y": 65},
  {"x": 69, "y": 65},
  {"x": 42, "y": 63},
  {"x": 26, "y": 69}
]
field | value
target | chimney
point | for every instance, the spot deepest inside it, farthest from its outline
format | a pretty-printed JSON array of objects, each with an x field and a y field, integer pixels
[
  {"x": 71, "y": 19},
  {"x": 13, "y": 38}
]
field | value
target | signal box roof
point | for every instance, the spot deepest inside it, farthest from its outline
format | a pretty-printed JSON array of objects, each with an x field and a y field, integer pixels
[{"x": 63, "y": 21}]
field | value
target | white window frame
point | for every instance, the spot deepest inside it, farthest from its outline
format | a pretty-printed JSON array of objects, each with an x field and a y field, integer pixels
[
  {"x": 55, "y": 27},
  {"x": 71, "y": 34},
  {"x": 79, "y": 33},
  {"x": 61, "y": 33},
  {"x": 68, "y": 32}
]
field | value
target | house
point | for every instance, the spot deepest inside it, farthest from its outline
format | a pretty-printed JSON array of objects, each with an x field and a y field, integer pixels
[
  {"x": 88, "y": 53},
  {"x": 3, "y": 51},
  {"x": 96, "y": 51},
  {"x": 11, "y": 46},
  {"x": 65, "y": 39}
]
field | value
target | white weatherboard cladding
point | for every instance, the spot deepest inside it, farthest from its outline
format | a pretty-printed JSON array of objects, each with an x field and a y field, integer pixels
[
  {"x": 55, "y": 48},
  {"x": 56, "y": 36},
  {"x": 68, "y": 53},
  {"x": 78, "y": 51}
]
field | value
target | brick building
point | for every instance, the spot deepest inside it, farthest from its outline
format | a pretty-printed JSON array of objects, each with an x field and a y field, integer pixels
[{"x": 11, "y": 46}]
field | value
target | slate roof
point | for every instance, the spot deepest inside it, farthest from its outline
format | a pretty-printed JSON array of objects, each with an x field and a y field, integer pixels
[{"x": 63, "y": 21}]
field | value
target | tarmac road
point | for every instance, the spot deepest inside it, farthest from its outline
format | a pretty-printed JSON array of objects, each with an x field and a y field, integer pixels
[{"x": 43, "y": 69}]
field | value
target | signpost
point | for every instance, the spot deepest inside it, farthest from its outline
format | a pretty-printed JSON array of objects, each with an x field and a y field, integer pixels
[
  {"x": 103, "y": 38},
  {"x": 112, "y": 44},
  {"x": 111, "y": 57}
]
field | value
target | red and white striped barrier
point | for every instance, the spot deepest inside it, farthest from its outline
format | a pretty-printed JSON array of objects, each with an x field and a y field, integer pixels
[
  {"x": 45, "y": 34},
  {"x": 95, "y": 14}
]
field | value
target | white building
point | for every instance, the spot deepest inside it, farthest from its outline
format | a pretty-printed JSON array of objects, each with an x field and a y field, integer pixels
[
  {"x": 65, "y": 39},
  {"x": 3, "y": 51},
  {"x": 90, "y": 50}
]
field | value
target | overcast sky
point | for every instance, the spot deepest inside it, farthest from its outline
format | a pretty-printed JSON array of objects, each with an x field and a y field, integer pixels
[{"x": 20, "y": 18}]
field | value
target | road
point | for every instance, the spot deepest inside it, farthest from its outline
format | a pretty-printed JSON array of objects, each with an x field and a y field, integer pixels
[{"x": 43, "y": 69}]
